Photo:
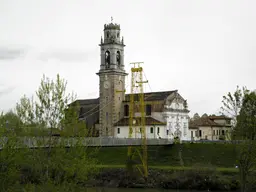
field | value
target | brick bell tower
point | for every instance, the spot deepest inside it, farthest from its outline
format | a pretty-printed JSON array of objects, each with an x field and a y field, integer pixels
[{"x": 111, "y": 79}]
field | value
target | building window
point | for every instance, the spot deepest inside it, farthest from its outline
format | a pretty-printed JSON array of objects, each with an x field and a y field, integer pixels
[
  {"x": 119, "y": 98},
  {"x": 151, "y": 130},
  {"x": 223, "y": 132},
  {"x": 158, "y": 130},
  {"x": 213, "y": 132},
  {"x": 118, "y": 58},
  {"x": 192, "y": 134},
  {"x": 148, "y": 110},
  {"x": 107, "y": 59},
  {"x": 200, "y": 133},
  {"x": 185, "y": 129},
  {"x": 140, "y": 129},
  {"x": 107, "y": 116},
  {"x": 126, "y": 110},
  {"x": 118, "y": 130},
  {"x": 106, "y": 99},
  {"x": 106, "y": 130}
]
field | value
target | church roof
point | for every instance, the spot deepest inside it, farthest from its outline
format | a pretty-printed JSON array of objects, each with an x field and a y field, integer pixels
[
  {"x": 151, "y": 96},
  {"x": 88, "y": 108},
  {"x": 148, "y": 121},
  {"x": 88, "y": 101}
]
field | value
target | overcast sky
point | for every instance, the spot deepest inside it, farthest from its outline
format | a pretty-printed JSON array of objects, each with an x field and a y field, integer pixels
[{"x": 203, "y": 48}]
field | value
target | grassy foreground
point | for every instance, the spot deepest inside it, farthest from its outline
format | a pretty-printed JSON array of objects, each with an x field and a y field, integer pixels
[
  {"x": 174, "y": 168},
  {"x": 218, "y": 155}
]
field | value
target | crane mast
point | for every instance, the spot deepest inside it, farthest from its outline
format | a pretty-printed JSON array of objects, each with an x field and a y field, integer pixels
[{"x": 137, "y": 89}]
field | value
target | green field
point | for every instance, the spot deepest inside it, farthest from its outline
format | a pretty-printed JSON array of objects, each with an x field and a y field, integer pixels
[{"x": 219, "y": 155}]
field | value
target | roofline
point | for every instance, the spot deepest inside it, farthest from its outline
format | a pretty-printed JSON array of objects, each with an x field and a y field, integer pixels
[
  {"x": 176, "y": 90},
  {"x": 211, "y": 126}
]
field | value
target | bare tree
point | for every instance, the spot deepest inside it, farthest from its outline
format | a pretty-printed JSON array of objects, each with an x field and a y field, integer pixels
[{"x": 232, "y": 103}]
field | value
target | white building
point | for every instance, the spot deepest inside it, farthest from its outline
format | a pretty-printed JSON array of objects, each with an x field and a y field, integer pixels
[
  {"x": 210, "y": 128},
  {"x": 166, "y": 117}
]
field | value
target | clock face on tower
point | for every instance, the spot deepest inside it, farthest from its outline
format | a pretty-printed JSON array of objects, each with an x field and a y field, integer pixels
[{"x": 106, "y": 84}]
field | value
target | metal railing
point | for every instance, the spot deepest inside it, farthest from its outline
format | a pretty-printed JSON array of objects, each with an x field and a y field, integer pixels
[{"x": 41, "y": 142}]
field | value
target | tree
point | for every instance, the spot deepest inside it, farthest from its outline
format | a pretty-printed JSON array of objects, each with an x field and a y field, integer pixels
[
  {"x": 196, "y": 116},
  {"x": 49, "y": 109},
  {"x": 204, "y": 115},
  {"x": 10, "y": 122},
  {"x": 56, "y": 165},
  {"x": 246, "y": 120},
  {"x": 247, "y": 163},
  {"x": 245, "y": 130},
  {"x": 232, "y": 103}
]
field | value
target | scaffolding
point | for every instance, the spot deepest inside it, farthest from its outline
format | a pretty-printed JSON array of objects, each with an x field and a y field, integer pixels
[{"x": 135, "y": 122}]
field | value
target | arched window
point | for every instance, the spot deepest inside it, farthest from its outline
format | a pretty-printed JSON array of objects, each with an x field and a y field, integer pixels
[
  {"x": 107, "y": 34},
  {"x": 107, "y": 59},
  {"x": 126, "y": 110},
  {"x": 118, "y": 58}
]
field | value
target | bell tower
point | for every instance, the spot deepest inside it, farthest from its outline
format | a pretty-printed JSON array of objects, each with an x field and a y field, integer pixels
[{"x": 111, "y": 79}]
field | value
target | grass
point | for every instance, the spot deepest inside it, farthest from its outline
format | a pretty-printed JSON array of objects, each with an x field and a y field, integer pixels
[
  {"x": 174, "y": 168},
  {"x": 218, "y": 155}
]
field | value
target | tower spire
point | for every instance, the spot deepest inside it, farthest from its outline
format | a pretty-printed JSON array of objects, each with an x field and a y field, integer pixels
[{"x": 111, "y": 19}]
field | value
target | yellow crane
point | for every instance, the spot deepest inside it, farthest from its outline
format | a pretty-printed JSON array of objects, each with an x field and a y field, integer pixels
[{"x": 135, "y": 122}]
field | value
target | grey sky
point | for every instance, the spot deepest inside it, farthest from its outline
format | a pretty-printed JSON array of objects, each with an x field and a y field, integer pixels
[{"x": 202, "y": 48}]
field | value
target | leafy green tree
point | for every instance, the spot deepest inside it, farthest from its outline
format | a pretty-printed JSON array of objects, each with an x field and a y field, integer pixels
[
  {"x": 10, "y": 122},
  {"x": 247, "y": 164},
  {"x": 48, "y": 110},
  {"x": 56, "y": 165},
  {"x": 245, "y": 130},
  {"x": 246, "y": 120}
]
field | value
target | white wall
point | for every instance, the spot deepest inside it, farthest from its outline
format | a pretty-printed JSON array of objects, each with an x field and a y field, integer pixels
[
  {"x": 124, "y": 132},
  {"x": 171, "y": 114},
  {"x": 182, "y": 120},
  {"x": 212, "y": 133},
  {"x": 194, "y": 134}
]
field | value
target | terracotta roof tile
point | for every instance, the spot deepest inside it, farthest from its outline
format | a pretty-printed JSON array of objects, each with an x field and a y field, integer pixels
[
  {"x": 220, "y": 117},
  {"x": 204, "y": 122}
]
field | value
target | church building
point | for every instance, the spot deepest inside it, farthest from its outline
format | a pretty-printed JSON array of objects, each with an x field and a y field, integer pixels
[{"x": 166, "y": 112}]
